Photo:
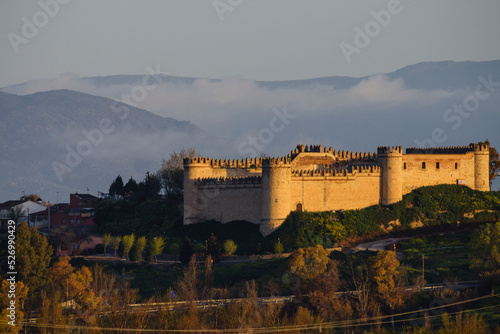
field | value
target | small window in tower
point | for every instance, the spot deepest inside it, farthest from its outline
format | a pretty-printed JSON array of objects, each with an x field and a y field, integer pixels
[
  {"x": 456, "y": 165},
  {"x": 437, "y": 165},
  {"x": 299, "y": 206},
  {"x": 275, "y": 200},
  {"x": 404, "y": 165},
  {"x": 423, "y": 165}
]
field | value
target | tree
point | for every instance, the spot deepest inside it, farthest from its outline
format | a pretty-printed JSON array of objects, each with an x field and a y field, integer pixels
[
  {"x": 107, "y": 241},
  {"x": 150, "y": 186},
  {"x": 389, "y": 278},
  {"x": 116, "y": 187},
  {"x": 62, "y": 237},
  {"x": 278, "y": 247},
  {"x": 485, "y": 246},
  {"x": 73, "y": 284},
  {"x": 306, "y": 263},
  {"x": 362, "y": 300},
  {"x": 323, "y": 298},
  {"x": 186, "y": 251},
  {"x": 156, "y": 247},
  {"x": 115, "y": 242},
  {"x": 32, "y": 257},
  {"x": 16, "y": 213},
  {"x": 137, "y": 249},
  {"x": 141, "y": 245},
  {"x": 213, "y": 249},
  {"x": 126, "y": 244},
  {"x": 171, "y": 172},
  {"x": 494, "y": 161},
  {"x": 131, "y": 187},
  {"x": 59, "y": 275},
  {"x": 188, "y": 284},
  {"x": 31, "y": 197},
  {"x": 230, "y": 247}
]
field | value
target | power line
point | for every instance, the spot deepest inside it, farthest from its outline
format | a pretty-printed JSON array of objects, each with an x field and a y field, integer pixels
[{"x": 327, "y": 325}]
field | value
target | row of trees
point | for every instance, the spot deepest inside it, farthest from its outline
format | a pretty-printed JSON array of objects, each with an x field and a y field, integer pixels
[
  {"x": 169, "y": 179},
  {"x": 130, "y": 247}
]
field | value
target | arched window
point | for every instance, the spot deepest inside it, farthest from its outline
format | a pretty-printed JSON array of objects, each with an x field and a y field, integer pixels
[{"x": 299, "y": 206}]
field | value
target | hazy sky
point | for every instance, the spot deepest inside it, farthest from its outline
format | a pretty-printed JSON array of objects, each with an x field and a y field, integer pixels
[{"x": 254, "y": 39}]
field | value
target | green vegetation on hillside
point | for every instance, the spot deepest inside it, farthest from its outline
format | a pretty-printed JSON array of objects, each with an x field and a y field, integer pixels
[{"x": 429, "y": 206}]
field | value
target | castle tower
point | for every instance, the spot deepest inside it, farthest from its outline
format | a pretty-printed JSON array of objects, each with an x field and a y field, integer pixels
[
  {"x": 481, "y": 167},
  {"x": 390, "y": 160},
  {"x": 276, "y": 193},
  {"x": 194, "y": 201}
]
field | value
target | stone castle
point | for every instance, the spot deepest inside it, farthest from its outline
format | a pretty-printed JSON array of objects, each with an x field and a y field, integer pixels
[{"x": 265, "y": 190}]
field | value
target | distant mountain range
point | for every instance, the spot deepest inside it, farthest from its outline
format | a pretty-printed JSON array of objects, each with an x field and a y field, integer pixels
[
  {"x": 43, "y": 122},
  {"x": 37, "y": 129}
]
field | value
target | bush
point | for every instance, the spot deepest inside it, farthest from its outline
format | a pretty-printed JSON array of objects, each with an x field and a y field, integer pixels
[{"x": 230, "y": 247}]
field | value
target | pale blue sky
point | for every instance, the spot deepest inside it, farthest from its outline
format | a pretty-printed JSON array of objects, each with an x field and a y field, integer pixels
[{"x": 258, "y": 39}]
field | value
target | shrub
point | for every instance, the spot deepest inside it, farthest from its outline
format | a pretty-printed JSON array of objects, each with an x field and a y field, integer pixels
[{"x": 230, "y": 247}]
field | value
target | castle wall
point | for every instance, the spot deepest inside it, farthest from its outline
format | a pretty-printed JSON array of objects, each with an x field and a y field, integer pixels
[
  {"x": 323, "y": 193},
  {"x": 414, "y": 176},
  {"x": 226, "y": 203},
  {"x": 265, "y": 191}
]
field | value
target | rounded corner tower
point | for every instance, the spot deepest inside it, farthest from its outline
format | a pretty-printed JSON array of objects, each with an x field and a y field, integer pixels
[
  {"x": 276, "y": 193},
  {"x": 194, "y": 168},
  {"x": 391, "y": 162},
  {"x": 481, "y": 167}
]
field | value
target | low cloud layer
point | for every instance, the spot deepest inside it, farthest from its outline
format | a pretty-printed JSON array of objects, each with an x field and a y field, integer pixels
[{"x": 243, "y": 118}]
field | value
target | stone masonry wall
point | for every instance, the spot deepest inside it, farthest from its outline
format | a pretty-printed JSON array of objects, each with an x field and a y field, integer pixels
[{"x": 414, "y": 176}]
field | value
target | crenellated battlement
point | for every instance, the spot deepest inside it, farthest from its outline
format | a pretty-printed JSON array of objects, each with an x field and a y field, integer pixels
[
  {"x": 349, "y": 171},
  {"x": 441, "y": 150},
  {"x": 339, "y": 155},
  {"x": 481, "y": 147},
  {"x": 251, "y": 180},
  {"x": 275, "y": 162},
  {"x": 225, "y": 163},
  {"x": 389, "y": 150}
]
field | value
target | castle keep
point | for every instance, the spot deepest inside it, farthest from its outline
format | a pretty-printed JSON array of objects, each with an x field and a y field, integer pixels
[{"x": 265, "y": 190}]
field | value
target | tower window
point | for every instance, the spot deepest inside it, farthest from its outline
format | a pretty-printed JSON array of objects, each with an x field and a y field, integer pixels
[
  {"x": 404, "y": 165},
  {"x": 456, "y": 165},
  {"x": 437, "y": 165},
  {"x": 423, "y": 165}
]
